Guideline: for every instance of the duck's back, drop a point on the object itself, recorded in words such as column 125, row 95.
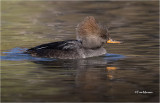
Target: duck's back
column 62, row 49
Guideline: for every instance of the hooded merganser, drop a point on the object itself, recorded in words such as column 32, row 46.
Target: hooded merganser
column 91, row 36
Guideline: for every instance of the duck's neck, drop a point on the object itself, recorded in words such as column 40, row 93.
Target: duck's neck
column 87, row 52
column 91, row 42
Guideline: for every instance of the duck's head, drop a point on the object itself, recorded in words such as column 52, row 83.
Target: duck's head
column 93, row 34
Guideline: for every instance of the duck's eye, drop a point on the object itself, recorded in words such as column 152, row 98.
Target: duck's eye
column 104, row 36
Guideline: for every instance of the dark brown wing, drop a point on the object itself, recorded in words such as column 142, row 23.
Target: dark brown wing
column 55, row 49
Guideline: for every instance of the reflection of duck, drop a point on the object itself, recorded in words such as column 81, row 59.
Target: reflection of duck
column 78, row 76
column 91, row 36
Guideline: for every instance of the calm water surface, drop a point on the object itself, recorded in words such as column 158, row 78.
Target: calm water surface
column 115, row 77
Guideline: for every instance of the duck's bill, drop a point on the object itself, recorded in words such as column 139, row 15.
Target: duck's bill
column 113, row 41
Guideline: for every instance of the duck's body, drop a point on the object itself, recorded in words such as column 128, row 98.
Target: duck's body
column 71, row 49
column 91, row 36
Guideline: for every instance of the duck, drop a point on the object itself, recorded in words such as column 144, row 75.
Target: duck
column 91, row 36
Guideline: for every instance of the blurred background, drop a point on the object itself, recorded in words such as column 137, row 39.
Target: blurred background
column 130, row 66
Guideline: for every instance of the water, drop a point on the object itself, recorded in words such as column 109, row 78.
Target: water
column 115, row 77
